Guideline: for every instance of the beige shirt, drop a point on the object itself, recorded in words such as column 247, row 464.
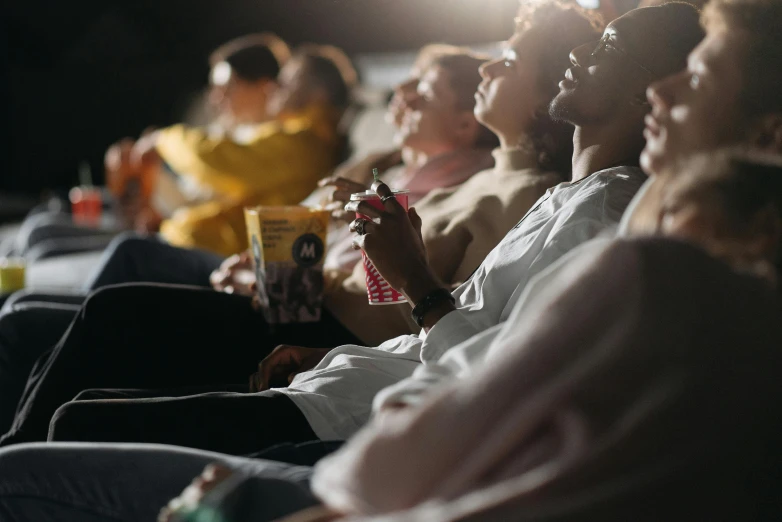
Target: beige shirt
column 461, row 225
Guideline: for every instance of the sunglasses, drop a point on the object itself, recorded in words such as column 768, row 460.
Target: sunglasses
column 607, row 46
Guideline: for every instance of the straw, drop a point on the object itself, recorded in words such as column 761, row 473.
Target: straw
column 375, row 175
column 85, row 174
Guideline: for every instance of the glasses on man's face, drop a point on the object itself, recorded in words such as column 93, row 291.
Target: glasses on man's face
column 607, row 46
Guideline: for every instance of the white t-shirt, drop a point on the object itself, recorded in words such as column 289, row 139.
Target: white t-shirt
column 336, row 396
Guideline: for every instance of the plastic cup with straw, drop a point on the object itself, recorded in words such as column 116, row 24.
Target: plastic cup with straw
column 86, row 200
column 379, row 292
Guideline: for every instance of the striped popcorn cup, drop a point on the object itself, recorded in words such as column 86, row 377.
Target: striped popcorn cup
column 379, row 291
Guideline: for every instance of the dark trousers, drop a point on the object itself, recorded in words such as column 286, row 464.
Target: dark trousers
column 134, row 259
column 91, row 411
column 27, row 330
column 32, row 322
column 235, row 423
column 160, row 336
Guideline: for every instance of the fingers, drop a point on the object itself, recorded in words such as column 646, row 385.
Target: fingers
column 282, row 360
column 363, row 226
column 265, row 373
column 338, row 212
column 415, row 219
column 387, row 196
column 341, row 215
column 342, row 184
column 359, row 243
column 364, row 208
column 342, row 196
column 218, row 280
column 213, row 474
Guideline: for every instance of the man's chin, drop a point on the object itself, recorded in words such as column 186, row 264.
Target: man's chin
column 563, row 107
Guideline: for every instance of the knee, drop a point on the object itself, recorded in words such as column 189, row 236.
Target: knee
column 69, row 421
column 106, row 301
column 90, row 395
column 17, row 297
column 127, row 243
column 19, row 460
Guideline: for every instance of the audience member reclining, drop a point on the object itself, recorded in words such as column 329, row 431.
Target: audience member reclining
column 728, row 57
column 448, row 142
column 571, row 417
column 243, row 76
column 334, row 399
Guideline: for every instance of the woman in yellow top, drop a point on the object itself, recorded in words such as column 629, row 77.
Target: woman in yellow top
column 244, row 74
column 275, row 163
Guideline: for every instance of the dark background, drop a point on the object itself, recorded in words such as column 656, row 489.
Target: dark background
column 78, row 75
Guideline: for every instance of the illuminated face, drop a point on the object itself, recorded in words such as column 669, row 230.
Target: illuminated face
column 403, row 93
column 698, row 109
column 607, row 76
column 237, row 100
column 293, row 92
column 432, row 116
column 509, row 95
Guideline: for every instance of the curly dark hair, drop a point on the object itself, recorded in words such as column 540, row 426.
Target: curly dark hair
column 565, row 26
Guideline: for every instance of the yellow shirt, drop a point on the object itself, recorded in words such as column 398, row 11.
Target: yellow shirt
column 280, row 164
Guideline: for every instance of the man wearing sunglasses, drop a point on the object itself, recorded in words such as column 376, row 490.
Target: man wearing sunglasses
column 335, row 396
column 603, row 98
column 603, row 94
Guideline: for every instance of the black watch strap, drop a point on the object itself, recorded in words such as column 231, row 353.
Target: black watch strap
column 427, row 303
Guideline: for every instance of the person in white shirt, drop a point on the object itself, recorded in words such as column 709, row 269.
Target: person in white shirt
column 605, row 101
column 603, row 95
column 635, row 388
column 720, row 99
column 336, row 401
column 91, row 457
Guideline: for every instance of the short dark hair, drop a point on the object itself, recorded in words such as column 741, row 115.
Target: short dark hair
column 464, row 76
column 762, row 66
column 329, row 68
column 565, row 26
column 680, row 31
column 253, row 57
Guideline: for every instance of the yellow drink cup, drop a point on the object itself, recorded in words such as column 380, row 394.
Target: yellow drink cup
column 12, row 274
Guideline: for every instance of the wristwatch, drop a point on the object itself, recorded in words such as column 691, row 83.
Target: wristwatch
column 427, row 303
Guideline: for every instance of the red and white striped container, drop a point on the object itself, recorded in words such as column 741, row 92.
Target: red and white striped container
column 379, row 292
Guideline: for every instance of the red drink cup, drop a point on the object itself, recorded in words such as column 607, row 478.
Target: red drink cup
column 86, row 205
column 379, row 291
